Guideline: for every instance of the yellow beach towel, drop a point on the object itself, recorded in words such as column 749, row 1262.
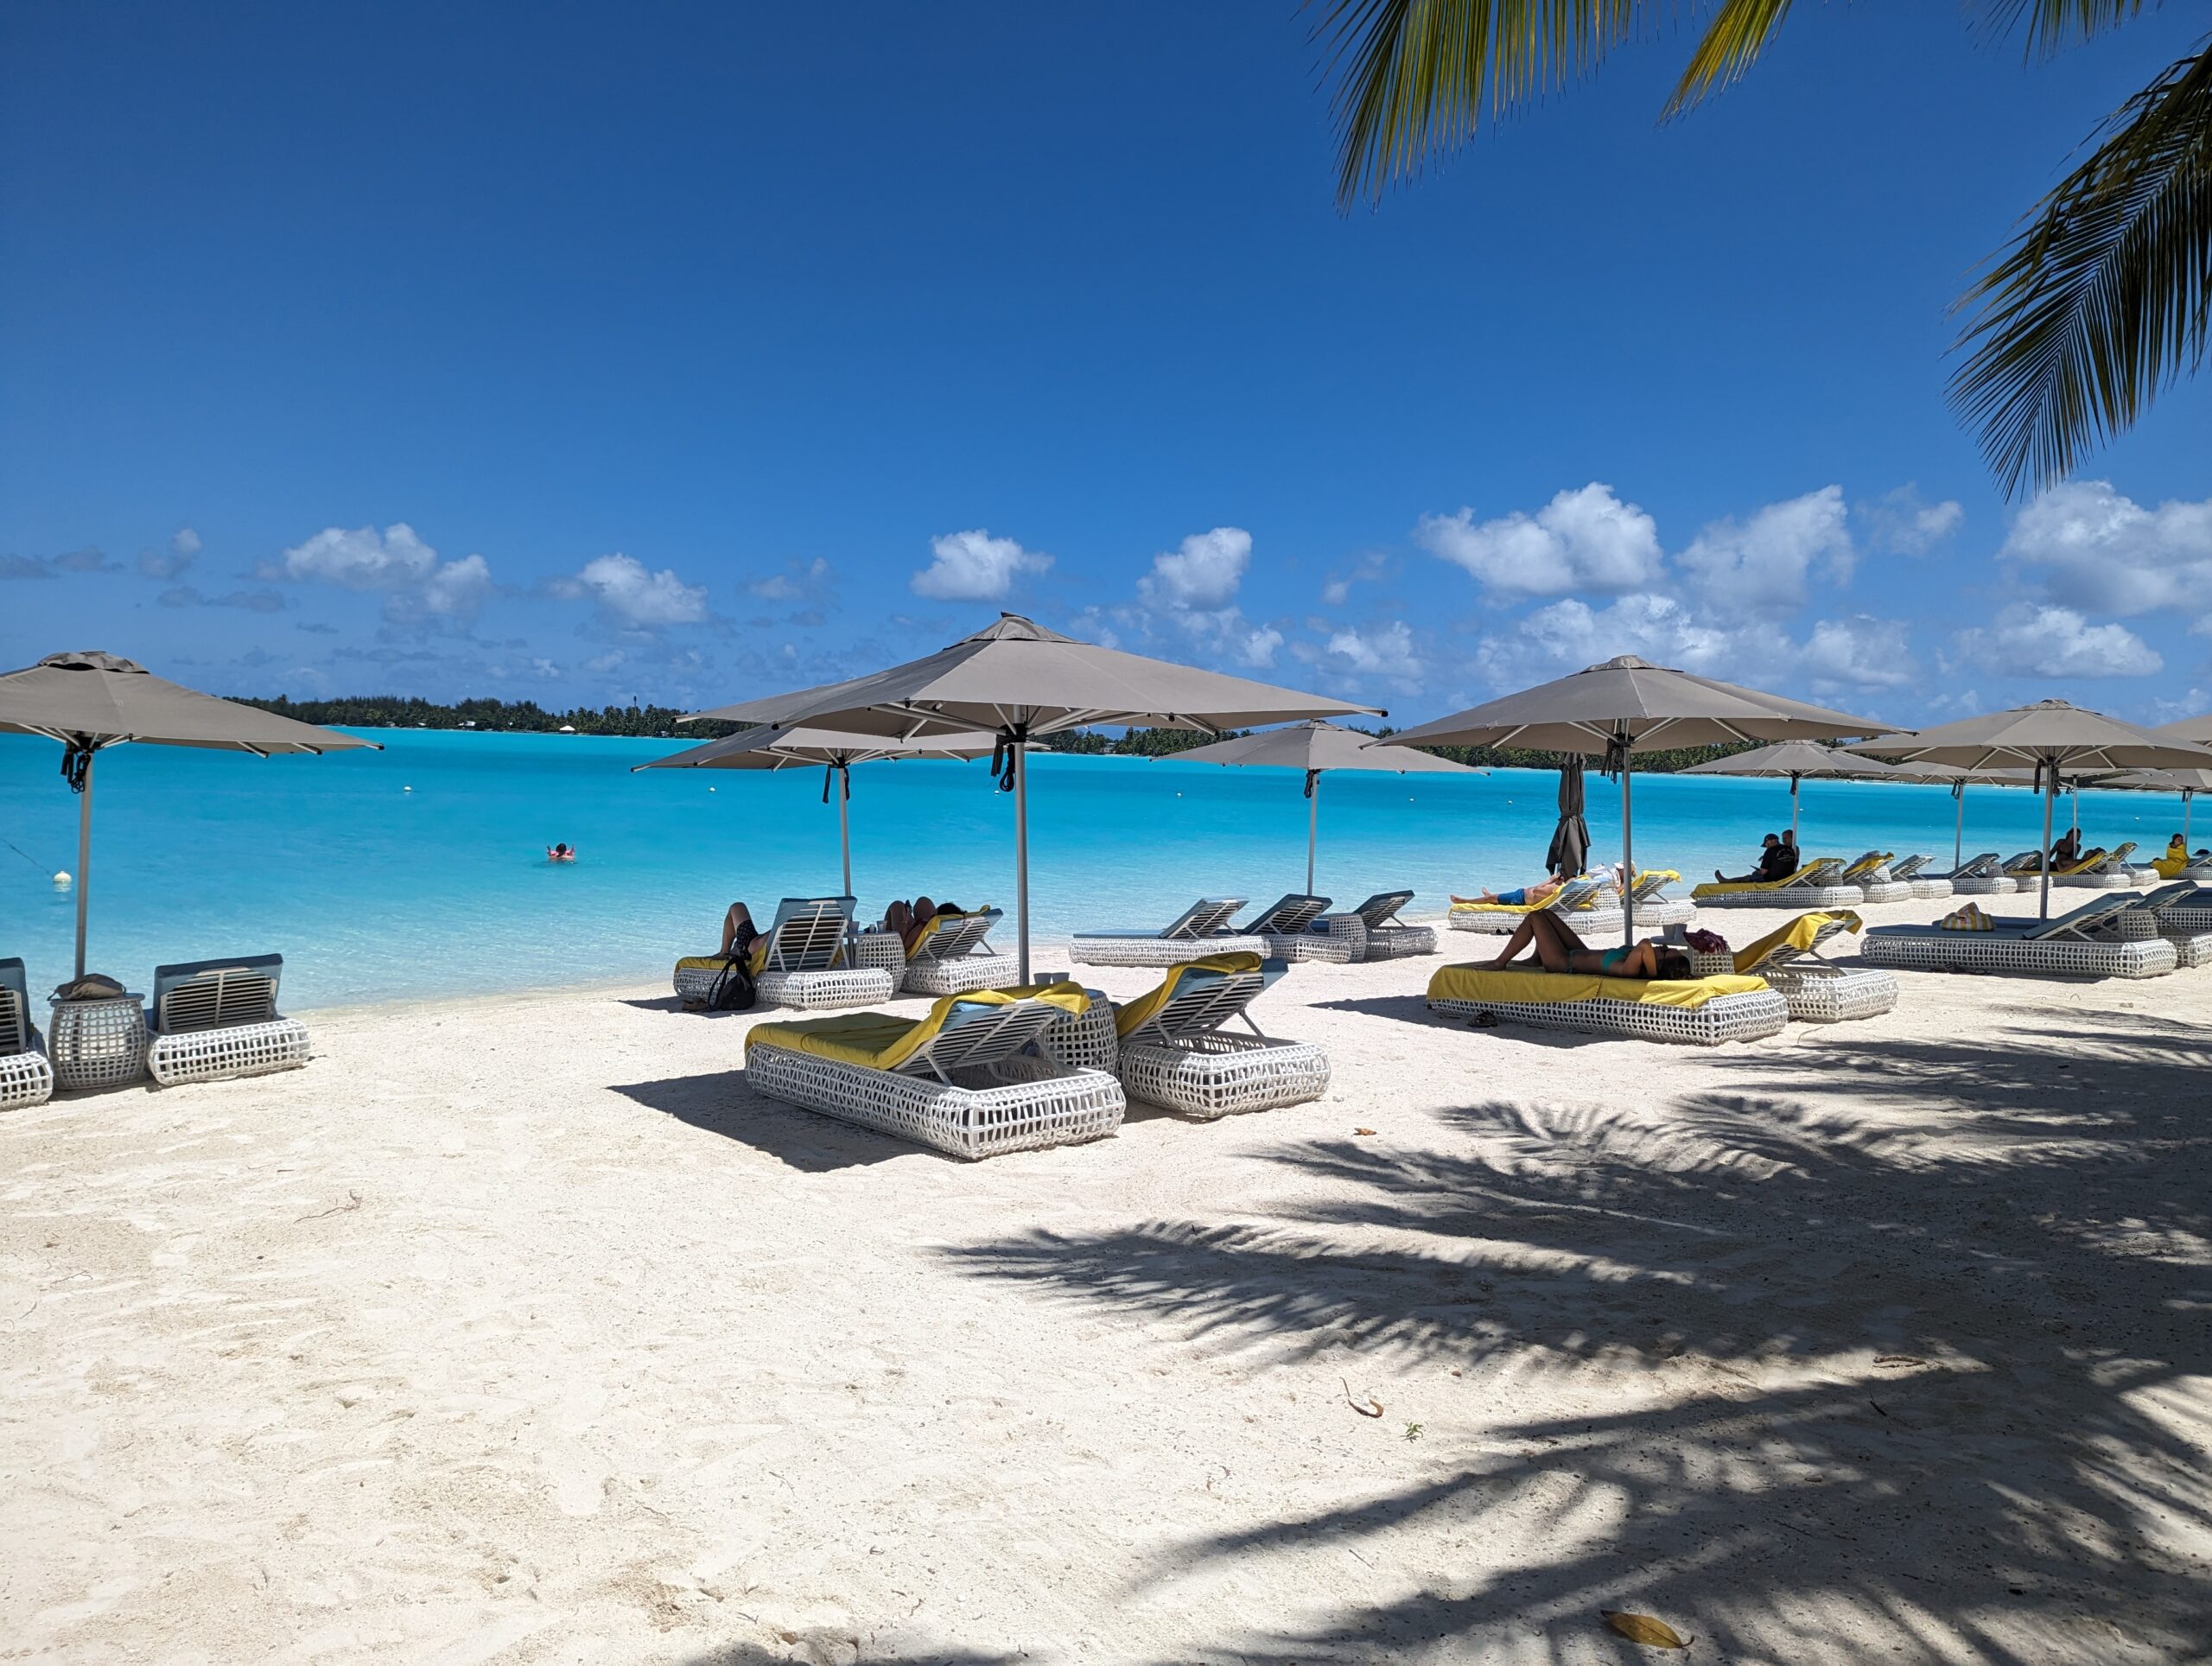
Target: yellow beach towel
column 1801, row 932
column 1478, row 984
column 884, row 1041
column 1128, row 1020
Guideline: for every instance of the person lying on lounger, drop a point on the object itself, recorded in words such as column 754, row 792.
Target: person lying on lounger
column 1777, row 861
column 1558, row 950
column 1528, row 896
column 907, row 919
column 2068, row 851
column 738, row 932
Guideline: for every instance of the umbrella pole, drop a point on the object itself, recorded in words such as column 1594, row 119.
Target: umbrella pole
column 2050, row 804
column 1959, row 826
column 83, row 858
column 1628, row 860
column 1793, row 810
column 2186, row 795
column 844, row 825
column 1313, row 827
column 1022, row 856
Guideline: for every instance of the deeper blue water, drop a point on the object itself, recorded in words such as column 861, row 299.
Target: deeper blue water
column 373, row 891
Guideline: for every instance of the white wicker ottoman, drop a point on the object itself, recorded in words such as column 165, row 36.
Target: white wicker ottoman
column 1102, row 951
column 96, row 1043
column 1398, row 942
column 1999, row 951
column 1021, row 1105
column 836, row 986
column 1338, row 939
column 1724, row 1017
column 957, row 975
column 235, row 1049
column 1214, row 1075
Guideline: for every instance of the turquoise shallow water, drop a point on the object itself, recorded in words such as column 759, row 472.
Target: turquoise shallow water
column 372, row 892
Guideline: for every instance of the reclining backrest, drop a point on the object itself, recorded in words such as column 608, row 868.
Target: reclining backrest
column 1381, row 910
column 975, row 1033
column 2168, row 895
column 1204, row 999
column 1290, row 915
column 214, row 995
column 949, row 937
column 2117, row 858
column 1205, row 917
column 15, row 1008
column 1649, row 883
column 1575, row 893
column 1908, row 869
column 1985, row 866
column 1821, row 870
column 809, row 935
column 2086, row 918
column 1865, row 864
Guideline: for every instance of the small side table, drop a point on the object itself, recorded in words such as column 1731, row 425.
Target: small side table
column 880, row 950
column 98, row 1044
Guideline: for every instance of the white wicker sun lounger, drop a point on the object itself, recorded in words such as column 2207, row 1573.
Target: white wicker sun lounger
column 1982, row 876
column 1587, row 903
column 26, row 1073
column 979, row 1082
column 1299, row 927
column 1926, row 886
column 1735, row 1008
column 1817, row 990
column 951, row 956
column 1389, row 937
column 1202, row 929
column 2112, row 937
column 1872, row 874
column 2184, row 916
column 1818, row 884
column 215, row 1018
column 2109, row 872
column 1174, row 1051
column 1654, row 907
column 802, row 960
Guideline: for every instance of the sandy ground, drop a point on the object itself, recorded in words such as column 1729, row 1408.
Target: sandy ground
column 520, row 1330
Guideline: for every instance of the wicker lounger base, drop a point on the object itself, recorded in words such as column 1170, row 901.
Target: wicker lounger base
column 1991, row 951
column 1888, row 891
column 1396, row 941
column 2000, row 885
column 1340, row 939
column 1930, row 890
column 2185, row 922
column 1214, row 1075
column 26, row 1078
column 959, row 975
column 1724, row 1017
column 1160, row 951
column 982, row 1114
column 1666, row 910
column 1793, row 898
column 2118, row 881
column 1086, row 1040
column 2192, row 949
column 841, row 986
column 1836, row 996
column 237, row 1050
column 1589, row 924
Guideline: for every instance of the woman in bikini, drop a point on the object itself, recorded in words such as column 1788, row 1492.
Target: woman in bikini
column 1558, row 950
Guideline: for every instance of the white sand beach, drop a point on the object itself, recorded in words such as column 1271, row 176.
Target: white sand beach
column 518, row 1330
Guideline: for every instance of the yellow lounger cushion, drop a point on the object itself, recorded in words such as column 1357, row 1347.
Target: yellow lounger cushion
column 930, row 925
column 1498, row 908
column 1800, row 933
column 1128, row 1020
column 1479, row 983
column 756, row 961
column 884, row 1041
column 1738, row 888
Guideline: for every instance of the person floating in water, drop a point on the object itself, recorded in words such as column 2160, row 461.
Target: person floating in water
column 559, row 853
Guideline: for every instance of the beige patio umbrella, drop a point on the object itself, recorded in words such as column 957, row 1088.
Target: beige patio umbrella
column 2187, row 782
column 1020, row 682
column 836, row 753
column 91, row 701
column 1626, row 706
column 1796, row 760
column 1316, row 747
column 2050, row 736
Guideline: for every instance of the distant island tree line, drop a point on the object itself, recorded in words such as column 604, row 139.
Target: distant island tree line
column 659, row 722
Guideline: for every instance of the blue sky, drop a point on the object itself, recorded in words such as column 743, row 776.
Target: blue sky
column 579, row 352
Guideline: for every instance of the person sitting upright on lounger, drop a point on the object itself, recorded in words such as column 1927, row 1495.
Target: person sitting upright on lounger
column 1558, row 950
column 1777, row 861
column 1527, row 896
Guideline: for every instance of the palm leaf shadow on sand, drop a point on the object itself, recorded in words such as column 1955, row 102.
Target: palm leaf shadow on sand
column 1925, row 1321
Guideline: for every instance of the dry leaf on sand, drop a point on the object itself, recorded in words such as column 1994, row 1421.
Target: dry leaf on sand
column 1372, row 1409
column 1641, row 1628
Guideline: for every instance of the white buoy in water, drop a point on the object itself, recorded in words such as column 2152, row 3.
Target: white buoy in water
column 63, row 879
column 407, row 789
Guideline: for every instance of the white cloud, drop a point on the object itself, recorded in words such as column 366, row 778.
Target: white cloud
column 1585, row 540
column 1860, row 653
column 2030, row 640
column 1760, row 565
column 184, row 541
column 1857, row 652
column 799, row 581
column 2105, row 552
column 395, row 562
column 973, row 566
column 1204, row 572
column 1337, row 590
column 1903, row 523
column 1258, row 648
column 1384, row 651
column 630, row 593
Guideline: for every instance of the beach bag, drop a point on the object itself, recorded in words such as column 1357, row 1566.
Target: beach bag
column 93, row 986
column 734, row 989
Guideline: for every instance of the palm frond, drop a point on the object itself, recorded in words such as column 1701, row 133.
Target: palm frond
column 2106, row 294
column 1417, row 78
column 1738, row 34
column 2051, row 24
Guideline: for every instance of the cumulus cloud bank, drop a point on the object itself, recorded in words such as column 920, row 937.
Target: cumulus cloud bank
column 2035, row 639
column 2098, row 550
column 1761, row 565
column 973, row 566
column 630, row 593
column 1203, row 573
column 1584, row 540
column 417, row 585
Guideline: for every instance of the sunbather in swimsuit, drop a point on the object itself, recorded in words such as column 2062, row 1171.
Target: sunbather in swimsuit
column 1558, row 950
column 1527, row 896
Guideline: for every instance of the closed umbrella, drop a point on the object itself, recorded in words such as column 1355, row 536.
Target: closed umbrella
column 2049, row 737
column 803, row 749
column 1569, row 850
column 1626, row 706
column 1317, row 747
column 1020, row 682
column 91, row 701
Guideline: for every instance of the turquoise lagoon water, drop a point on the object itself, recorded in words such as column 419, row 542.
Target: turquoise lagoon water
column 374, row 891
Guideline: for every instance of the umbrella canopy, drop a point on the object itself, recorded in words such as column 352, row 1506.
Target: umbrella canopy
column 1628, row 705
column 1317, row 747
column 768, row 747
column 91, row 701
column 2196, row 731
column 1020, row 682
column 2050, row 736
column 1796, row 760
column 1569, row 850
column 2187, row 782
